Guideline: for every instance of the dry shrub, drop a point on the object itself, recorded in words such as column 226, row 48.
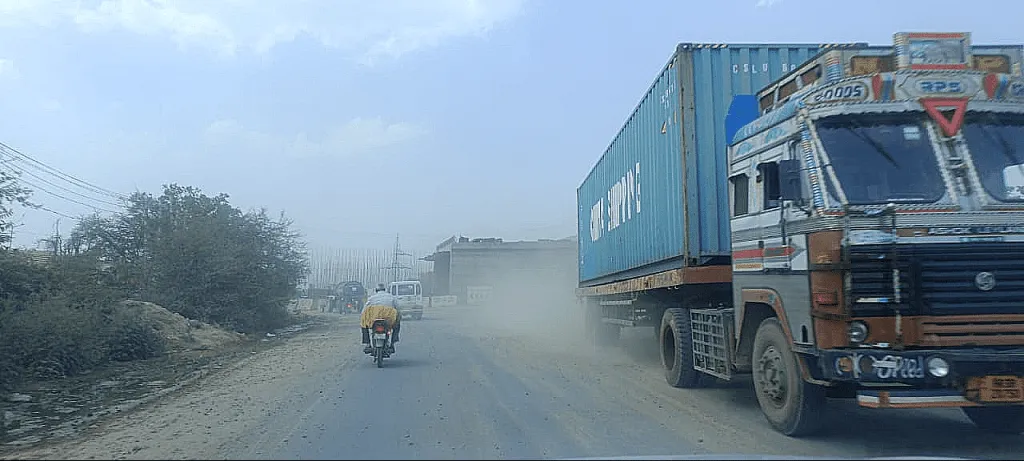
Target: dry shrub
column 54, row 337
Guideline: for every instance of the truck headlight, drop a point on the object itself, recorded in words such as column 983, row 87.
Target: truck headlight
column 938, row 367
column 858, row 331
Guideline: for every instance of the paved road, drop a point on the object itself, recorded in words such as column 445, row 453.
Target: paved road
column 462, row 386
column 475, row 384
column 452, row 392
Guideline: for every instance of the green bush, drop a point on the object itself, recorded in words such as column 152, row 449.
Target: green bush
column 200, row 257
column 49, row 338
column 193, row 254
column 133, row 337
column 20, row 279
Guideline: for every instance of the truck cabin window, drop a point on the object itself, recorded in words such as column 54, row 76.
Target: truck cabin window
column 996, row 143
column 406, row 290
column 771, row 190
column 881, row 159
column 766, row 102
column 740, row 194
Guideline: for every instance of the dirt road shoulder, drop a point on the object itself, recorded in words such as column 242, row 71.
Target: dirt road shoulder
column 213, row 404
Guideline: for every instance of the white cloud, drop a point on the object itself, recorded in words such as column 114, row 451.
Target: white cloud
column 146, row 17
column 368, row 30
column 360, row 136
column 767, row 3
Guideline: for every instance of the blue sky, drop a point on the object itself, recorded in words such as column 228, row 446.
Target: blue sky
column 363, row 119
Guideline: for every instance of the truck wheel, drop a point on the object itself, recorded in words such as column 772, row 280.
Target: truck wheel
column 792, row 406
column 1001, row 420
column 676, row 340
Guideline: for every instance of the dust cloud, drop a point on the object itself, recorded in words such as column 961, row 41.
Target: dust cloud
column 536, row 303
column 533, row 303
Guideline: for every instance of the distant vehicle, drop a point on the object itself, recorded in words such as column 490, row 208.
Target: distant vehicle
column 351, row 297
column 409, row 294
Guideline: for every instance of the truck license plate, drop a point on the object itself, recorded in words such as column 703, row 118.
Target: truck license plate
column 1001, row 389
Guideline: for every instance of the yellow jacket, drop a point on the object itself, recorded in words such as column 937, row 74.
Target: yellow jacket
column 371, row 313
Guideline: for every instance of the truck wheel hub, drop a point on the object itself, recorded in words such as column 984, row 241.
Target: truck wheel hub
column 771, row 374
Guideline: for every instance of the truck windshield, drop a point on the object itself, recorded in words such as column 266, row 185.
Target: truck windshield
column 881, row 159
column 996, row 143
column 406, row 290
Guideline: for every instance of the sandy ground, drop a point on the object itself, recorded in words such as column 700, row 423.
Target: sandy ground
column 58, row 412
column 470, row 384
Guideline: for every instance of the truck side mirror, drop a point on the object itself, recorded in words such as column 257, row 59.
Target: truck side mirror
column 791, row 183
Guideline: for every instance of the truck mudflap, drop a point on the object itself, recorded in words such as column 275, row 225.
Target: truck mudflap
column 929, row 378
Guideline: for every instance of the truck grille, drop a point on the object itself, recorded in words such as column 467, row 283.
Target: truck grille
column 937, row 279
column 993, row 330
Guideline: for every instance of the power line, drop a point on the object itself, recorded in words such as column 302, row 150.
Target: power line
column 16, row 156
column 62, row 187
column 59, row 213
column 36, row 187
column 9, row 156
column 60, row 174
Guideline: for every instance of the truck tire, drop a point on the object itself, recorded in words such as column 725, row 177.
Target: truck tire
column 1000, row 420
column 793, row 406
column 676, row 341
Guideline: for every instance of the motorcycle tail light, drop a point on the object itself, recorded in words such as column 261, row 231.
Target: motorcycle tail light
column 379, row 329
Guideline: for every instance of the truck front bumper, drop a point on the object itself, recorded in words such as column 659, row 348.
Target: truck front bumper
column 928, row 377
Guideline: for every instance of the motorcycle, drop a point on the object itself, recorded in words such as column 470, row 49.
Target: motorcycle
column 352, row 307
column 380, row 340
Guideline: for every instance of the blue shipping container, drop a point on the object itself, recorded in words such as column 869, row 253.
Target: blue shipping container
column 658, row 197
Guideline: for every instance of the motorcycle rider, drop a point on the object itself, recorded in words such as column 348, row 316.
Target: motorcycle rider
column 381, row 305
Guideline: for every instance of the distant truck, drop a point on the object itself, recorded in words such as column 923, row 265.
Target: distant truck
column 351, row 297
column 409, row 294
column 839, row 221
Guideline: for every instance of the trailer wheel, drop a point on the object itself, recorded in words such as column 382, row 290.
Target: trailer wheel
column 676, row 341
column 792, row 406
column 1000, row 420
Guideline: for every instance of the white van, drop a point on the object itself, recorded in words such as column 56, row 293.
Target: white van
column 409, row 295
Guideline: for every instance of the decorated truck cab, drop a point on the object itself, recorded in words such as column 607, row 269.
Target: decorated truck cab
column 877, row 222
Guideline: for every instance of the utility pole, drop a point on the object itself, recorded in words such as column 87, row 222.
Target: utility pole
column 56, row 243
column 13, row 226
column 396, row 265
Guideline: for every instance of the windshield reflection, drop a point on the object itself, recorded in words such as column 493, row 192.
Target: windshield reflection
column 881, row 159
column 996, row 143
